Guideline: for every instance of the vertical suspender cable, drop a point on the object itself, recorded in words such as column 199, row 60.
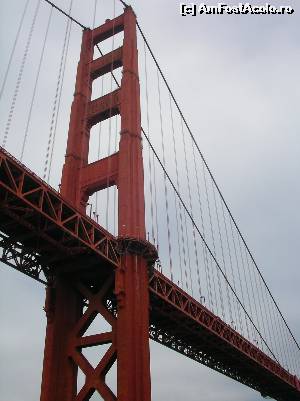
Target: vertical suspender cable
column 260, row 304
column 13, row 49
column 94, row 13
column 239, row 277
column 213, row 240
column 19, row 79
column 35, row 84
column 149, row 152
column 246, row 285
column 165, row 178
column 253, row 297
column 222, row 253
column 204, row 250
column 188, row 252
column 180, row 206
column 57, row 100
column 178, row 238
column 192, row 213
column 235, row 306
column 151, row 163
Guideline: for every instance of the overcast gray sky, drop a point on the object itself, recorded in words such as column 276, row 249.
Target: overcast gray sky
column 236, row 79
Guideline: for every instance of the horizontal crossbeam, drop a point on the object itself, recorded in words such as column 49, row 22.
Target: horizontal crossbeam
column 104, row 107
column 107, row 63
column 100, row 174
column 110, row 28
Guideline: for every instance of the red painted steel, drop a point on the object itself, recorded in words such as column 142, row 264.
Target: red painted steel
column 61, row 226
column 177, row 320
column 91, row 273
column 132, row 276
column 94, row 376
column 79, row 181
column 246, row 363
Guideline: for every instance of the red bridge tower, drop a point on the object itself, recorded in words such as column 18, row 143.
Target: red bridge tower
column 119, row 295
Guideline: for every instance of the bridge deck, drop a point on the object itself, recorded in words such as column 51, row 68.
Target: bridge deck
column 52, row 233
column 181, row 323
column 41, row 234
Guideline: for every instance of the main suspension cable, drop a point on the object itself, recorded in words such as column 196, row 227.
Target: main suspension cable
column 66, row 14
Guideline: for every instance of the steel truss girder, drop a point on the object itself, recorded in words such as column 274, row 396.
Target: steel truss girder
column 178, row 344
column 180, row 322
column 35, row 206
column 25, row 260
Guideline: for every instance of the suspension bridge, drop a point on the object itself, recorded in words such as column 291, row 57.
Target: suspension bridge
column 137, row 230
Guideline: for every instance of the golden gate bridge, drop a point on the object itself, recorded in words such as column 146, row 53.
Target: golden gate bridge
column 137, row 231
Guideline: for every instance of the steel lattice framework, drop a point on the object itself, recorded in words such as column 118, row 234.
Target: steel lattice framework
column 89, row 272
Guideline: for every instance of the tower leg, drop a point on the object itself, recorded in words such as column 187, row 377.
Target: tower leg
column 63, row 308
column 66, row 340
column 133, row 330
